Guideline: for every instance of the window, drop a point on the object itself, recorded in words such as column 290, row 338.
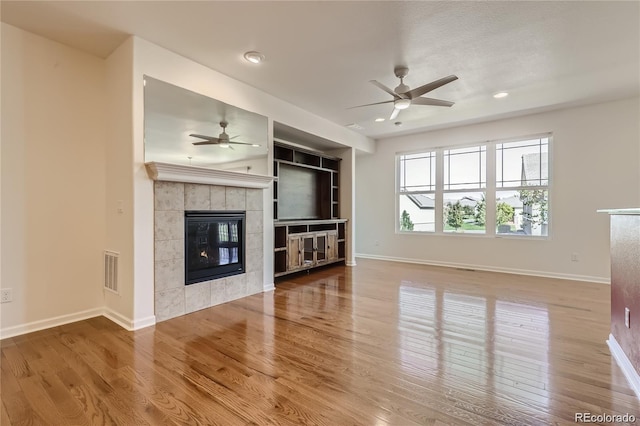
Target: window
column 417, row 187
column 464, row 169
column 523, row 168
column 497, row 188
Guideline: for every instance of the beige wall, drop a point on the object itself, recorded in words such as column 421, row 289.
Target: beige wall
column 119, row 186
column 53, row 179
column 595, row 165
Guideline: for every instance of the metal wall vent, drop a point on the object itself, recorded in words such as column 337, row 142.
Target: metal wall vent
column 111, row 270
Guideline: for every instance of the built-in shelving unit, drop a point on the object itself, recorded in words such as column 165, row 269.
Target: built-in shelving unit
column 306, row 208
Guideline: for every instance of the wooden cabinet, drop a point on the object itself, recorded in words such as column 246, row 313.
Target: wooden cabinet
column 311, row 249
column 301, row 245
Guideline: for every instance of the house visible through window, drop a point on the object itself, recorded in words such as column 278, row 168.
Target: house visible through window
column 417, row 182
column 465, row 178
column 457, row 184
column 522, row 187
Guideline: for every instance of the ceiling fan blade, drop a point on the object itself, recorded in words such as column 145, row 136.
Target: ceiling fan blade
column 206, row 143
column 419, row 91
column 375, row 103
column 205, row 137
column 430, row 101
column 385, row 88
column 241, row 143
column 394, row 114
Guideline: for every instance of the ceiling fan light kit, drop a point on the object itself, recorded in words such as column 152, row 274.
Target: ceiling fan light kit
column 404, row 97
column 402, row 103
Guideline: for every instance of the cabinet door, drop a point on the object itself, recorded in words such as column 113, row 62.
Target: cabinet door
column 294, row 253
column 321, row 247
column 332, row 246
column 308, row 250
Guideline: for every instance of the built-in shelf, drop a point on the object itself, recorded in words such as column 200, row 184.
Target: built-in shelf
column 307, row 184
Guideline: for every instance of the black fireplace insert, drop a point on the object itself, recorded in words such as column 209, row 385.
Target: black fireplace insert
column 214, row 245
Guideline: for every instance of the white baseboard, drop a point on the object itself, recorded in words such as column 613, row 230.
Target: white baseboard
column 49, row 322
column 625, row 365
column 144, row 322
column 122, row 321
column 588, row 278
column 350, row 263
column 268, row 287
column 128, row 323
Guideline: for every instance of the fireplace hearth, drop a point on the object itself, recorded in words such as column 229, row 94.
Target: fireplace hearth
column 214, row 245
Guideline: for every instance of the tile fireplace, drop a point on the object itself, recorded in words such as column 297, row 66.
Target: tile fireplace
column 174, row 296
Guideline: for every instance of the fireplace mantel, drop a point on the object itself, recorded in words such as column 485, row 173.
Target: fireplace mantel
column 190, row 174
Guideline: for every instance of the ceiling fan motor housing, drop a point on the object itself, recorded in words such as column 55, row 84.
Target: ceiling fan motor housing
column 401, row 72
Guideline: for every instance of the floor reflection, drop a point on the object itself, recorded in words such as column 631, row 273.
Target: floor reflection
column 456, row 339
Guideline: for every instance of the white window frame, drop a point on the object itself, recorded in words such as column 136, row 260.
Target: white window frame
column 399, row 192
column 491, row 188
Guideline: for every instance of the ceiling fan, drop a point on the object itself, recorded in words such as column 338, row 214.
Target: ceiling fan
column 404, row 97
column 223, row 140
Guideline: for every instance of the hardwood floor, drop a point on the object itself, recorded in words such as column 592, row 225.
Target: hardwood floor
column 379, row 344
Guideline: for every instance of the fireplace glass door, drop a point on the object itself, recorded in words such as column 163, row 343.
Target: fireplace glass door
column 214, row 245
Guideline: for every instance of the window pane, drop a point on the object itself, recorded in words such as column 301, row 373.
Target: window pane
column 465, row 168
column 417, row 212
column 523, row 212
column 465, row 212
column 522, row 163
column 418, row 172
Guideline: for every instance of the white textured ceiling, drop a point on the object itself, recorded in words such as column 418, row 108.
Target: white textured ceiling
column 320, row 55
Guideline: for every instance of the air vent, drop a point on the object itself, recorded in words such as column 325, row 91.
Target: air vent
column 111, row 270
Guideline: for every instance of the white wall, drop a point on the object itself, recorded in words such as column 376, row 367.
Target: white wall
column 595, row 165
column 53, row 178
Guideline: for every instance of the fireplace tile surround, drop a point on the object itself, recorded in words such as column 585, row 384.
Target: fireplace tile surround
column 171, row 199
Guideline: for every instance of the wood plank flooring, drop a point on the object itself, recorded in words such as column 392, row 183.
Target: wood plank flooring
column 379, row 344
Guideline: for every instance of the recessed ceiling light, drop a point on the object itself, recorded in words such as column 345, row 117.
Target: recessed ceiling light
column 379, row 120
column 254, row 57
column 501, row 95
column 255, row 145
column 355, row 126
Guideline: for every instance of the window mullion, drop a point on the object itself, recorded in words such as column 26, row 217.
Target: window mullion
column 490, row 223
column 439, row 198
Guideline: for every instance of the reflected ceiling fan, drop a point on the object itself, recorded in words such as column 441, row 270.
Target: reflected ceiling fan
column 404, row 96
column 223, row 140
